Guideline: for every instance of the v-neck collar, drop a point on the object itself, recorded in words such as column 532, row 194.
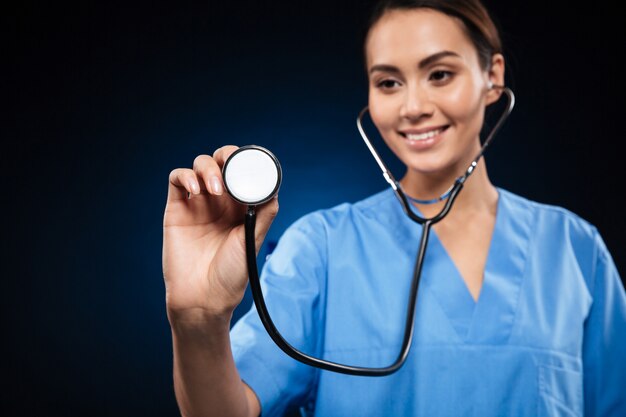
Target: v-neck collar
column 496, row 309
column 491, row 317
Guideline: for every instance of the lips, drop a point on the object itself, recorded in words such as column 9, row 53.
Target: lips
column 421, row 139
column 422, row 134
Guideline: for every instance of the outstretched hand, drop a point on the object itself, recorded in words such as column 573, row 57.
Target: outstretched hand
column 204, row 263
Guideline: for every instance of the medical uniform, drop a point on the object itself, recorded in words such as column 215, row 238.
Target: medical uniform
column 547, row 336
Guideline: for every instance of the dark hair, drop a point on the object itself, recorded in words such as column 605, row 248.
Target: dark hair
column 479, row 26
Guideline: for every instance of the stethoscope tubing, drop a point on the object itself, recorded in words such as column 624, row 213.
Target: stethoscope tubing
column 450, row 196
column 279, row 340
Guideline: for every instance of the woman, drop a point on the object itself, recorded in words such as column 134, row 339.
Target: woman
column 520, row 312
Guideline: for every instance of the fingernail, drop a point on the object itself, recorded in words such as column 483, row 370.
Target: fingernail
column 195, row 188
column 216, row 185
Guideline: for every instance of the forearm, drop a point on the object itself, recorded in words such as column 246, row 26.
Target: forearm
column 206, row 380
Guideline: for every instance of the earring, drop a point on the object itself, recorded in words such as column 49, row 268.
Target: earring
column 489, row 85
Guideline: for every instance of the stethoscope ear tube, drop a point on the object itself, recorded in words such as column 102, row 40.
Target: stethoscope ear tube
column 395, row 185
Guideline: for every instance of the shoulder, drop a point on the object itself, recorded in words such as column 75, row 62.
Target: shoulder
column 379, row 207
column 556, row 234
column 313, row 235
column 549, row 218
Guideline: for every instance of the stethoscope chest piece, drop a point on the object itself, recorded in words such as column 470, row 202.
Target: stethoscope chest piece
column 252, row 175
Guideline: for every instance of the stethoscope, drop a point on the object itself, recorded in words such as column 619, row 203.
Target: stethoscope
column 252, row 176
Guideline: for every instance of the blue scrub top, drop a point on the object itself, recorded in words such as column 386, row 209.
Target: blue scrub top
column 547, row 336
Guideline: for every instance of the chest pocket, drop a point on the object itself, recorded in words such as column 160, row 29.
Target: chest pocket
column 560, row 392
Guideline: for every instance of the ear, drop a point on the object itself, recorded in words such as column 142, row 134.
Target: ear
column 495, row 77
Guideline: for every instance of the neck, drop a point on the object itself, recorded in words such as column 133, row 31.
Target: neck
column 477, row 194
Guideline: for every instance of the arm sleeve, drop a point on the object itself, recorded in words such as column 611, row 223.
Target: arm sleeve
column 604, row 343
column 293, row 282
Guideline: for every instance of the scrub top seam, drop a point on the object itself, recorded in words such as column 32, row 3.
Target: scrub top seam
column 464, row 345
column 597, row 254
column 523, row 278
column 568, row 407
column 523, row 274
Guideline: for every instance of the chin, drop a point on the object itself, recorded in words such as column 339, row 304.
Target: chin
column 427, row 164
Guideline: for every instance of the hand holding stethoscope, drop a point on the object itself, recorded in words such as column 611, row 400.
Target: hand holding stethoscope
column 203, row 235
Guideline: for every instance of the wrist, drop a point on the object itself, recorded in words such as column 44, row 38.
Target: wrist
column 198, row 320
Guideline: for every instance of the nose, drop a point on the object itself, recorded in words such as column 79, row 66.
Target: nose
column 416, row 103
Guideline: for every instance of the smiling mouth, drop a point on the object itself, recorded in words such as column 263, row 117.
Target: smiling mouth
column 417, row 137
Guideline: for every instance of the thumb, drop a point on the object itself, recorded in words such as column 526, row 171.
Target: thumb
column 265, row 215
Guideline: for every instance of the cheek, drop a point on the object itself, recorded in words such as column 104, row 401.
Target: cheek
column 384, row 118
column 465, row 102
column 467, row 110
column 461, row 104
column 381, row 111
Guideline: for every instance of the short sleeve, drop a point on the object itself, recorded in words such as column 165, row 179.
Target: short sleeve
column 604, row 344
column 293, row 282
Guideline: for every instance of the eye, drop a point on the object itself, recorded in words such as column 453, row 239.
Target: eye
column 386, row 84
column 441, row 76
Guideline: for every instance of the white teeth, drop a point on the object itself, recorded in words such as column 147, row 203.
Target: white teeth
column 423, row 136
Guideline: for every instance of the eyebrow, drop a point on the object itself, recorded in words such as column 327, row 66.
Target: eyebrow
column 422, row 64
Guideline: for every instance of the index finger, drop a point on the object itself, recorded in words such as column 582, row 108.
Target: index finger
column 182, row 182
column 223, row 153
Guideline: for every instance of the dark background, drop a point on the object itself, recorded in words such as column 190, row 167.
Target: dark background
column 103, row 99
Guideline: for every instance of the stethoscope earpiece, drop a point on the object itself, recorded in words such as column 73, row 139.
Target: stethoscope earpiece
column 252, row 175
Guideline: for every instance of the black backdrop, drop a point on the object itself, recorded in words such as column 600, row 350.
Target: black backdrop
column 103, row 99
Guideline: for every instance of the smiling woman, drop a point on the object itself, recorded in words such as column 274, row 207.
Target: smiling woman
column 520, row 312
column 428, row 92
